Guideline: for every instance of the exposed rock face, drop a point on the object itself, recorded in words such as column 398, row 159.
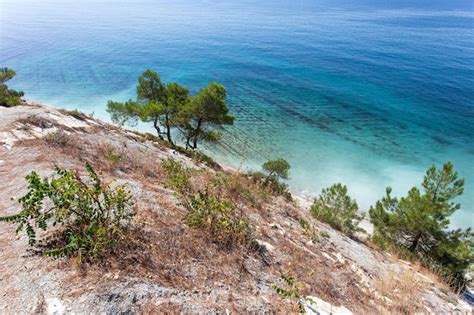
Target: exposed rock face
column 176, row 269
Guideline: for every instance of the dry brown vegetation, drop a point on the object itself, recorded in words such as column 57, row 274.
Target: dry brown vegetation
column 163, row 250
column 402, row 291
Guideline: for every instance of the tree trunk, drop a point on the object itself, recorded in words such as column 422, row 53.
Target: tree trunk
column 196, row 133
column 414, row 245
column 188, row 145
column 157, row 127
column 168, row 130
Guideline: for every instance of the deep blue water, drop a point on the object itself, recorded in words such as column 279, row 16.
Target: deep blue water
column 359, row 92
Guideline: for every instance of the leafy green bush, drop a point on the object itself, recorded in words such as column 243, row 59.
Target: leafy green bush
column 309, row 230
column 179, row 175
column 419, row 223
column 324, row 234
column 291, row 289
column 86, row 217
column 8, row 97
column 227, row 226
column 272, row 184
column 337, row 209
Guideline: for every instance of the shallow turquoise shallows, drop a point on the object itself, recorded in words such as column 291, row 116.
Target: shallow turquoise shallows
column 367, row 95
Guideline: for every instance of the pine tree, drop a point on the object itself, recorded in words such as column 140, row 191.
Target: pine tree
column 205, row 112
column 338, row 209
column 419, row 222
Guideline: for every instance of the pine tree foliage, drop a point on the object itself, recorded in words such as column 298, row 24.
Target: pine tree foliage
column 203, row 114
column 335, row 207
column 85, row 217
column 8, row 97
column 419, row 222
column 278, row 168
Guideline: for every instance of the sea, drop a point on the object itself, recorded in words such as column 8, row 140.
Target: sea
column 365, row 93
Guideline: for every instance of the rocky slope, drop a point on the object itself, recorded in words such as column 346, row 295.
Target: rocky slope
column 173, row 268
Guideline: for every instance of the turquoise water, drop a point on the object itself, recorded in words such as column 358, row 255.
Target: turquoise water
column 369, row 95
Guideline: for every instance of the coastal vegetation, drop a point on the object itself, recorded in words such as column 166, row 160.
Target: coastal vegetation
column 339, row 210
column 169, row 106
column 83, row 217
column 418, row 224
column 8, row 97
column 217, row 215
column 273, row 172
column 291, row 289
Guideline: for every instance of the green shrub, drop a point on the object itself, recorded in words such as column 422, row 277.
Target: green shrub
column 272, row 184
column 226, row 225
column 337, row 209
column 111, row 154
column 8, row 97
column 291, row 289
column 178, row 175
column 324, row 234
column 309, row 231
column 86, row 218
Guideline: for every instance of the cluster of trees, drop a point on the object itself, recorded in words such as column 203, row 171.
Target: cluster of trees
column 8, row 97
column 416, row 225
column 170, row 106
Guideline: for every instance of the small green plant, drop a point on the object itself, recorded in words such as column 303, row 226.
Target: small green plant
column 112, row 155
column 324, row 234
column 178, row 175
column 77, row 114
column 226, row 225
column 271, row 184
column 291, row 288
column 309, row 231
column 337, row 209
column 86, row 217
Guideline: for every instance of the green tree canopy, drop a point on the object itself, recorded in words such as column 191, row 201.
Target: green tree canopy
column 122, row 113
column 203, row 113
column 419, row 222
column 176, row 98
column 338, row 209
column 278, row 168
column 148, row 106
column 169, row 106
column 8, row 97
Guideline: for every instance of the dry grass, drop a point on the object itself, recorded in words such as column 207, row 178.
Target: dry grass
column 35, row 120
column 58, row 138
column 164, row 250
column 108, row 157
column 401, row 291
